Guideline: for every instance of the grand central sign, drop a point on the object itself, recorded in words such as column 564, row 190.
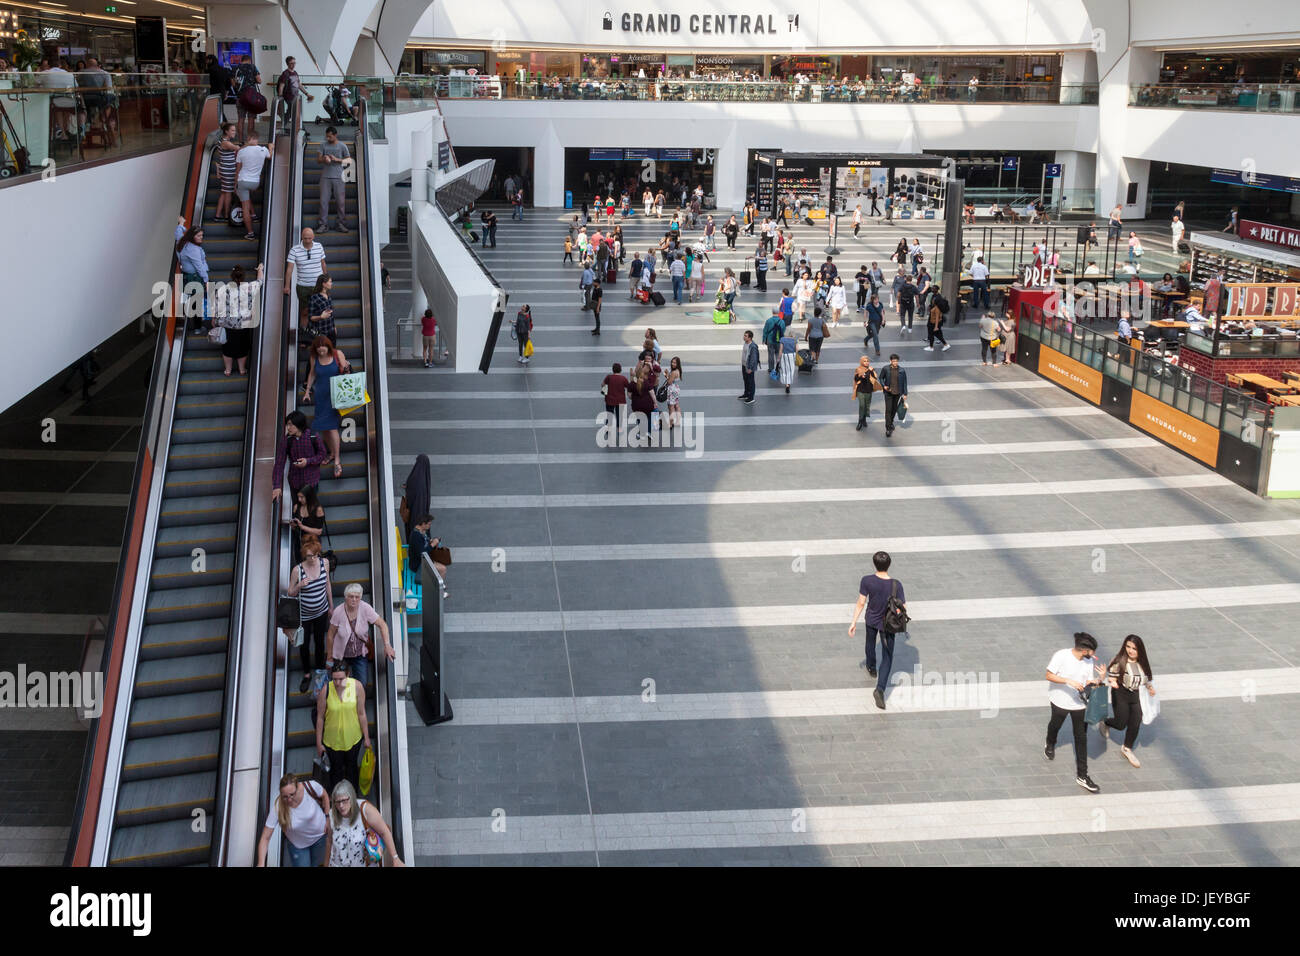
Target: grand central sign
column 703, row 24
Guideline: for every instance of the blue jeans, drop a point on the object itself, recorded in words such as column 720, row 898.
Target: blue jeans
column 886, row 654
column 362, row 670
column 789, row 264
column 193, row 277
column 873, row 333
column 979, row 291
column 677, row 289
column 313, row 855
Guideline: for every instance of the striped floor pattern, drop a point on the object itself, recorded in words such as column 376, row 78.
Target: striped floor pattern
column 647, row 651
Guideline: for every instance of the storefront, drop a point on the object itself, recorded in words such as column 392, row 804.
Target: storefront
column 73, row 40
column 421, row 62
column 1246, row 66
column 826, row 184
column 598, row 171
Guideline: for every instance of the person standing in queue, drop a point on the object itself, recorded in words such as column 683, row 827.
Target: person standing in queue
column 1071, row 671
column 748, row 366
column 893, row 381
column 1128, row 675
column 874, row 593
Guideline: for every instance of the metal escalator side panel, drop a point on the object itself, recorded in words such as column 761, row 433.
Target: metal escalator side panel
column 385, row 575
column 239, row 777
column 85, row 846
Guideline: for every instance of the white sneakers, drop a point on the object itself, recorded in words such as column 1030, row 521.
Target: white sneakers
column 946, row 346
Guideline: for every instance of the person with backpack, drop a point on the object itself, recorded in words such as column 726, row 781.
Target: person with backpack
column 885, row 604
column 816, row 333
column 773, row 329
column 245, row 82
column 288, row 89
column 303, row 451
column 893, row 381
column 934, row 328
column 906, row 294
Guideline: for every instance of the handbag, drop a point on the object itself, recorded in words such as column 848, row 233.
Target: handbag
column 1150, row 704
column 604, row 389
column 328, row 557
column 661, row 392
column 320, row 770
column 217, row 335
column 288, row 612
column 895, row 619
column 298, row 637
column 994, row 342
column 528, row 349
column 348, row 392
column 441, row 555
column 251, row 100
column 901, row 414
column 1098, row 708
column 366, row 772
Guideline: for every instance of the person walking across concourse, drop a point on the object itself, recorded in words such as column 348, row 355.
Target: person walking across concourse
column 1071, row 671
column 874, row 592
column 864, row 383
column 893, row 379
column 1128, row 674
column 596, row 296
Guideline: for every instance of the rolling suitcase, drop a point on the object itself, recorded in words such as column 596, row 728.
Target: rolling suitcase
column 745, row 274
column 657, row 298
column 643, row 294
column 611, row 274
column 804, row 359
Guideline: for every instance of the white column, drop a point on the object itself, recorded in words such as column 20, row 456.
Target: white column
column 420, row 182
column 548, row 170
column 1114, row 170
column 729, row 170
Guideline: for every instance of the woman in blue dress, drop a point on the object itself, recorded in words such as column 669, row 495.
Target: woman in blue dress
column 327, row 362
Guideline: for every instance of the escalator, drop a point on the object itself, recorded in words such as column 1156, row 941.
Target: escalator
column 358, row 513
column 157, row 778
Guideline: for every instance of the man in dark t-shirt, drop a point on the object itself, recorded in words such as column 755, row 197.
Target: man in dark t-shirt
column 614, row 386
column 874, row 592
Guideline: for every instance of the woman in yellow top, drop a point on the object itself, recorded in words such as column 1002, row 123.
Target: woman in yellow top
column 341, row 726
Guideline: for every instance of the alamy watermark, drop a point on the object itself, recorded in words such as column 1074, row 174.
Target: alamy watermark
column 639, row 430
column 75, row 690
column 945, row 690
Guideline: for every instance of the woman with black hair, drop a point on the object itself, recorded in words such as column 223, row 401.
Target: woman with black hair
column 304, row 451
column 308, row 517
column 415, row 494
column 1127, row 675
column 900, row 254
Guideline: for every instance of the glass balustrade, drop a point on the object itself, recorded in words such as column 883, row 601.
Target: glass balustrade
column 1240, row 97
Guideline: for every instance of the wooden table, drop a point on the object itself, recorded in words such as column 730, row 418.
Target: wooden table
column 1169, row 324
column 1284, row 399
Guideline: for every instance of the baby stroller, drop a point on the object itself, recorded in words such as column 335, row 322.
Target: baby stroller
column 337, row 104
column 13, row 156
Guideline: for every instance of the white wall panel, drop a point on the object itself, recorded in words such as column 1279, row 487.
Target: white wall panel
column 63, row 296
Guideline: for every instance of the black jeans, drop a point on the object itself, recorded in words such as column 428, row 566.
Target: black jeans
column 313, row 639
column 731, row 241
column 862, row 299
column 891, row 409
column 345, row 765
column 986, row 346
column 596, row 311
column 1080, row 735
column 935, row 333
column 773, row 356
column 1128, row 714
column 749, row 382
column 906, row 312
column 886, row 654
column 762, row 280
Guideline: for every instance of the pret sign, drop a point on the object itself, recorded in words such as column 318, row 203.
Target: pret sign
column 1284, row 236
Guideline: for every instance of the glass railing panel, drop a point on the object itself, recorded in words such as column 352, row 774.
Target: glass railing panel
column 336, row 99
column 1239, row 97
column 411, row 91
column 55, row 121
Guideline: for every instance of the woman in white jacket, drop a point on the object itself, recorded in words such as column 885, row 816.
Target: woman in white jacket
column 803, row 293
column 835, row 300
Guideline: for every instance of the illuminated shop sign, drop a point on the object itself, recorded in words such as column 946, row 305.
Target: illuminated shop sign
column 729, row 24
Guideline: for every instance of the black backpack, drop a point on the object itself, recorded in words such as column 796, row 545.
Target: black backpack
column 941, row 303
column 895, row 618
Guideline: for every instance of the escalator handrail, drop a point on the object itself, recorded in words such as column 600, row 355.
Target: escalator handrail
column 221, row 823
column 382, row 575
column 276, row 724
column 142, row 510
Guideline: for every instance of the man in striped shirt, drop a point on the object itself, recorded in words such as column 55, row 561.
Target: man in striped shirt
column 305, row 264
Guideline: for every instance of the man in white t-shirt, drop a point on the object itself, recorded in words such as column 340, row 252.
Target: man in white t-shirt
column 1070, row 671
column 248, row 177
column 1177, row 228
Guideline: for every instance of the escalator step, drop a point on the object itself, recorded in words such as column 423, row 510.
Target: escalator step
column 167, row 843
column 166, row 798
column 180, row 675
column 181, row 510
column 152, row 757
column 178, row 540
column 188, row 604
column 183, row 638
column 175, row 714
column 208, row 429
column 201, row 481
column 218, row 567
